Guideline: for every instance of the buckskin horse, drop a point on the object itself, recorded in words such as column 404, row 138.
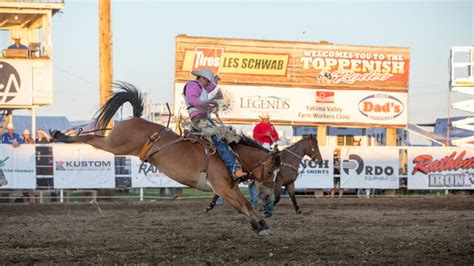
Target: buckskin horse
column 179, row 158
column 291, row 158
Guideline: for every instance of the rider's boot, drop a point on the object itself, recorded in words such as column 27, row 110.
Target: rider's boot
column 237, row 173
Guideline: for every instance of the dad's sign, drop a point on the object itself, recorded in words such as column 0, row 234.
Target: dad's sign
column 440, row 168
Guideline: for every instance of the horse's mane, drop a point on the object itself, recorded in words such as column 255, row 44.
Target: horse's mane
column 247, row 141
column 303, row 137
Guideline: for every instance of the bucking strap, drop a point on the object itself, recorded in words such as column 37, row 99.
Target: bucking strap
column 149, row 143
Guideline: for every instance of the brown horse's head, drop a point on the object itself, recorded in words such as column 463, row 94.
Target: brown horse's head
column 311, row 148
column 261, row 162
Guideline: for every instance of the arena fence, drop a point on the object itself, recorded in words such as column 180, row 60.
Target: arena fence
column 67, row 170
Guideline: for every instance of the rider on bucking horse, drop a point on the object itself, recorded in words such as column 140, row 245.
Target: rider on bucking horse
column 199, row 105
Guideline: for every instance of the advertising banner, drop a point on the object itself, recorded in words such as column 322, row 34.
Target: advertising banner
column 15, row 83
column 17, row 167
column 302, row 106
column 370, row 167
column 313, row 176
column 147, row 175
column 294, row 64
column 441, row 168
column 82, row 166
column 300, row 83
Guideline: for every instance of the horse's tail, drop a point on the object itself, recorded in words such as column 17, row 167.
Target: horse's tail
column 126, row 93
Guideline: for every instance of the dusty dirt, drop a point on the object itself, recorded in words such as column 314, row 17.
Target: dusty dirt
column 380, row 230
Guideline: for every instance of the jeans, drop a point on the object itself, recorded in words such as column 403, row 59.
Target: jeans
column 254, row 200
column 224, row 152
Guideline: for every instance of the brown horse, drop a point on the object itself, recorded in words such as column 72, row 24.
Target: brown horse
column 180, row 159
column 291, row 158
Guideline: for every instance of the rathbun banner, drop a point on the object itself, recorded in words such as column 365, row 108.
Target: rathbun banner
column 440, row 168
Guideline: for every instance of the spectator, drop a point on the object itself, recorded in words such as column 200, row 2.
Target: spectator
column 264, row 132
column 10, row 137
column 42, row 137
column 27, row 139
column 337, row 178
column 17, row 45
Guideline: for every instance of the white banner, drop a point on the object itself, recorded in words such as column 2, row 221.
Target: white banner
column 82, row 166
column 296, row 105
column 440, row 168
column 313, row 176
column 16, row 83
column 370, row 167
column 147, row 175
column 17, row 167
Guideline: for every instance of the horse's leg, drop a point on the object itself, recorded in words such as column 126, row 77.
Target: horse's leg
column 235, row 198
column 277, row 189
column 212, row 204
column 291, row 192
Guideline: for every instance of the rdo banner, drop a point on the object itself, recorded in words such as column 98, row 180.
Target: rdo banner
column 313, row 176
column 147, row 175
column 17, row 167
column 370, row 167
column 83, row 166
column 440, row 168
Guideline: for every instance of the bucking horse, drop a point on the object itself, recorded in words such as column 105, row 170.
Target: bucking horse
column 180, row 158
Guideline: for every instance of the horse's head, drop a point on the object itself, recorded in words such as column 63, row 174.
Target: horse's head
column 311, row 148
column 265, row 172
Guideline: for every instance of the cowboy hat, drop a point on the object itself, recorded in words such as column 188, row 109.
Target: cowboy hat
column 26, row 131
column 264, row 116
column 10, row 126
column 16, row 37
column 205, row 73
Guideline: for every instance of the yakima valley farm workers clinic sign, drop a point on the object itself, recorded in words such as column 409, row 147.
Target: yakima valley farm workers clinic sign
column 300, row 83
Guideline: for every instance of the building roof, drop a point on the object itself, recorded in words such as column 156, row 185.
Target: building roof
column 22, row 122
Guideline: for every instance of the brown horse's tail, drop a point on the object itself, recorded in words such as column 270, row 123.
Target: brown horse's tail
column 126, row 92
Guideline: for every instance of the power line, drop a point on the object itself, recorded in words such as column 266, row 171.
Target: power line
column 76, row 76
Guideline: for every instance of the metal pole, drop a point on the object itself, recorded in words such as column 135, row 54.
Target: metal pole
column 141, row 194
column 33, row 122
column 61, row 195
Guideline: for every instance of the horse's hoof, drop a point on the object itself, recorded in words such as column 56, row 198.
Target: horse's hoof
column 265, row 232
column 207, row 209
column 55, row 134
column 298, row 211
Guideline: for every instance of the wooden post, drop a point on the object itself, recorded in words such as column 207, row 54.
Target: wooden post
column 105, row 52
column 391, row 140
column 322, row 136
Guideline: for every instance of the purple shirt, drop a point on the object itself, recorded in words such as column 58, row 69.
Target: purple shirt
column 193, row 92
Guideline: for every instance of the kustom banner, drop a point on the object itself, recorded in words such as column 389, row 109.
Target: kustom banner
column 305, row 106
column 313, row 176
column 440, row 168
column 370, row 167
column 17, row 167
column 147, row 175
column 82, row 166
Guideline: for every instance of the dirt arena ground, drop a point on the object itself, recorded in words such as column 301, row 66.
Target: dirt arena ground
column 380, row 230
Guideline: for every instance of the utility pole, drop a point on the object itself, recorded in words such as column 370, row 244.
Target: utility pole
column 105, row 53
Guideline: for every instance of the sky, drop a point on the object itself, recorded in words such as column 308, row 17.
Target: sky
column 144, row 41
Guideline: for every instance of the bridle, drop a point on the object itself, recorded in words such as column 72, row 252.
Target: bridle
column 262, row 163
column 313, row 157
